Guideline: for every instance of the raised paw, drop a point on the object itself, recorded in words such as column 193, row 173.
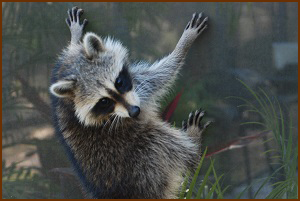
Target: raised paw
column 193, row 125
column 193, row 29
column 74, row 17
column 73, row 22
column 196, row 23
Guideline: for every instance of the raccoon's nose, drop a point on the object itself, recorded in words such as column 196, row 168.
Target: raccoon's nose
column 134, row 111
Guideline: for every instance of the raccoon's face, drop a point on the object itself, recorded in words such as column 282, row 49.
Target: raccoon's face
column 103, row 85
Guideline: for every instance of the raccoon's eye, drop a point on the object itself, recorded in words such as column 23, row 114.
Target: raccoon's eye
column 104, row 102
column 103, row 106
column 123, row 82
column 119, row 82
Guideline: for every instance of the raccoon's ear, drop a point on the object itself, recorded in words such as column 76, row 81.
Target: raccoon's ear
column 93, row 45
column 63, row 88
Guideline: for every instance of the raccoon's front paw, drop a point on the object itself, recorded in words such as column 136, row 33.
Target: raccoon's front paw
column 195, row 27
column 193, row 126
column 73, row 22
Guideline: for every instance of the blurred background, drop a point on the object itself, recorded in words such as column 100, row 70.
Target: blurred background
column 256, row 43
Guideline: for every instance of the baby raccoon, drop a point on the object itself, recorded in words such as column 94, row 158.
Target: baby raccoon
column 106, row 116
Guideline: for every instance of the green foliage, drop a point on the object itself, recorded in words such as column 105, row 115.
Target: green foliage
column 286, row 153
column 202, row 192
column 24, row 183
column 190, row 100
column 284, row 179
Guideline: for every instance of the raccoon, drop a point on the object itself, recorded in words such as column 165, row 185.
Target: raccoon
column 106, row 115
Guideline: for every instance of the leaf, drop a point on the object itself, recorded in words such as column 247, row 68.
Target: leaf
column 171, row 107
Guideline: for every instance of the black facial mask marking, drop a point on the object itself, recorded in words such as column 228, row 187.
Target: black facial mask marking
column 123, row 82
column 133, row 111
column 103, row 106
column 117, row 97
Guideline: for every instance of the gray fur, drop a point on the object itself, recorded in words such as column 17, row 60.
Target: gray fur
column 118, row 156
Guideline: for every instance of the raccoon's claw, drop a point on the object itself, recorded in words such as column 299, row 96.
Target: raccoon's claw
column 194, row 119
column 74, row 15
column 202, row 26
column 74, row 12
column 196, row 24
column 207, row 124
column 84, row 23
column 193, row 125
column 71, row 14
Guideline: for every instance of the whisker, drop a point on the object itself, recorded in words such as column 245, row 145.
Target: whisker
column 112, row 124
column 112, row 117
column 108, row 120
column 140, row 87
column 117, row 123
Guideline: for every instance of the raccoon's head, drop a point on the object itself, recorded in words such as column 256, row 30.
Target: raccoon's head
column 98, row 81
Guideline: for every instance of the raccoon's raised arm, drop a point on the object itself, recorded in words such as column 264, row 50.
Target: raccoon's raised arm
column 153, row 81
column 73, row 22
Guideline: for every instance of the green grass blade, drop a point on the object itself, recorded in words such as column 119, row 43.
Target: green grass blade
column 219, row 191
column 249, row 104
column 282, row 136
column 262, row 185
column 289, row 146
column 277, row 183
column 265, row 106
column 270, row 150
column 293, row 166
column 209, row 195
column 275, row 157
column 204, row 182
column 266, row 180
column 225, row 189
column 192, row 185
column 183, row 188
column 244, row 105
column 270, row 139
column 278, row 192
column 242, row 193
column 252, row 111
column 274, row 124
column 273, row 119
column 253, row 122
column 294, row 191
column 256, row 97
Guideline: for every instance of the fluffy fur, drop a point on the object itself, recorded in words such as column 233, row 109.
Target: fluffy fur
column 105, row 112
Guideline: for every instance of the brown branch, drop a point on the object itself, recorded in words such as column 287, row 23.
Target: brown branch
column 32, row 96
column 236, row 143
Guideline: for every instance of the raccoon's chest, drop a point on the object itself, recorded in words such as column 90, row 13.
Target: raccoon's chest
column 111, row 159
column 99, row 149
column 114, row 161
